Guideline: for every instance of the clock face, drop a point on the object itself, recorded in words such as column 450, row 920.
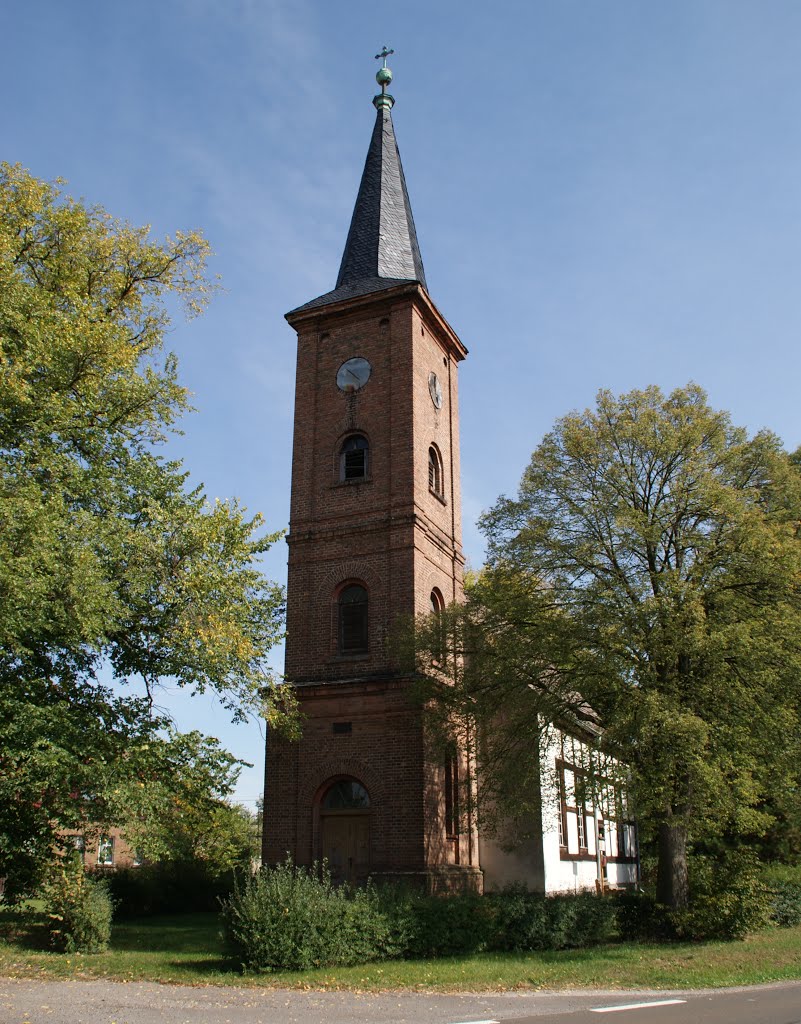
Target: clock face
column 435, row 389
column 353, row 374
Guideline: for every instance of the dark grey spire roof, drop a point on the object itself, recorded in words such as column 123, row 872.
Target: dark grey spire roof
column 381, row 250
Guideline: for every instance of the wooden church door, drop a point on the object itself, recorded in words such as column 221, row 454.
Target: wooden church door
column 345, row 831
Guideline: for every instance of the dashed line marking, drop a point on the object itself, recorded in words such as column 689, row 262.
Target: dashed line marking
column 476, row 1022
column 636, row 1006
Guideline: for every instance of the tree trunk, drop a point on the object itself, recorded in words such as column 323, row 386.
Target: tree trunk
column 672, row 880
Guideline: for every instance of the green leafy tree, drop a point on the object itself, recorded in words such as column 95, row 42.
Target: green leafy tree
column 177, row 806
column 107, row 557
column 646, row 579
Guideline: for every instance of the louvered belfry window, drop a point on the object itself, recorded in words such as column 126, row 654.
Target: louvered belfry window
column 353, row 620
column 435, row 472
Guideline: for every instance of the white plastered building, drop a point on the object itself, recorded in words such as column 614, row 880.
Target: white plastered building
column 583, row 836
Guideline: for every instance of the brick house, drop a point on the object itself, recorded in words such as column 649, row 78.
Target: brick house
column 105, row 850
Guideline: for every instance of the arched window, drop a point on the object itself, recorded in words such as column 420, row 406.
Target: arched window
column 440, row 636
column 352, row 603
column 346, row 795
column 452, row 801
column 354, row 458
column 435, row 483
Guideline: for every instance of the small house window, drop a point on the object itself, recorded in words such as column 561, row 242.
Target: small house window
column 105, row 851
column 562, row 821
column 354, row 458
column 581, row 825
column 77, row 844
column 435, row 484
column 352, row 603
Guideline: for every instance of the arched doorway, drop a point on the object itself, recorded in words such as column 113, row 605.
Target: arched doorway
column 345, row 831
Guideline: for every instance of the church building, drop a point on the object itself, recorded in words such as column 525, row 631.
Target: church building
column 375, row 535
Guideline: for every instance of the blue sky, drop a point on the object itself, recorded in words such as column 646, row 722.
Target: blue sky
column 607, row 194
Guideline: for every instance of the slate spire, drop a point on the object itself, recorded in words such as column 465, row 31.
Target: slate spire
column 381, row 249
column 382, row 241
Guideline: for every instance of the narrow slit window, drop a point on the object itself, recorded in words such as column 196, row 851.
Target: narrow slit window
column 452, row 794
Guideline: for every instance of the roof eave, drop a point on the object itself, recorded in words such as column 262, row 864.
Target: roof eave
column 303, row 317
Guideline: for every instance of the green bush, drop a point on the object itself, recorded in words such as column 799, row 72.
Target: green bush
column 785, row 903
column 171, row 887
column 78, row 908
column 728, row 898
column 447, row 925
column 595, row 919
column 525, row 920
column 291, row 918
column 640, row 918
column 294, row 918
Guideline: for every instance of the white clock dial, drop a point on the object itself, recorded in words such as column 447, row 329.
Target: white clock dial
column 353, row 374
column 435, row 389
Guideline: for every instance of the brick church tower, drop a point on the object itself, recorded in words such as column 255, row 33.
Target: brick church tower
column 375, row 534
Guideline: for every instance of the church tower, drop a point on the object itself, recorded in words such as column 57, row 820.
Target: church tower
column 375, row 535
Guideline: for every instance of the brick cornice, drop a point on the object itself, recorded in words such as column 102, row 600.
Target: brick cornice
column 376, row 304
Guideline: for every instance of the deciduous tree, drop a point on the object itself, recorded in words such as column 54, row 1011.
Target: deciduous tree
column 648, row 575
column 110, row 561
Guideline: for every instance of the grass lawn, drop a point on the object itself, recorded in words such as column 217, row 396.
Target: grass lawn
column 187, row 950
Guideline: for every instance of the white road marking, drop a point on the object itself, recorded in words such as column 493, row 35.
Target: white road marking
column 476, row 1022
column 636, row 1006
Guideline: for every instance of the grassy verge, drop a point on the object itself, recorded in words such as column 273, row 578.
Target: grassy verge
column 187, row 950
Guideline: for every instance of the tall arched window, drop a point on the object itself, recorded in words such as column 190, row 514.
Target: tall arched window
column 440, row 636
column 354, row 458
column 452, row 801
column 352, row 606
column 435, row 483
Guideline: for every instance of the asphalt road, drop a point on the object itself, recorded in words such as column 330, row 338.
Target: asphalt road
column 103, row 1002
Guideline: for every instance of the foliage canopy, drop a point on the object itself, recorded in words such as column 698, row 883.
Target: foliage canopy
column 110, row 563
column 645, row 579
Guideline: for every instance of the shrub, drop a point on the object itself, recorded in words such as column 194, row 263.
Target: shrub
column 595, row 919
column 78, row 908
column 170, row 887
column 447, row 925
column 294, row 918
column 728, row 898
column 640, row 918
column 368, row 929
column 521, row 919
column 289, row 918
column 525, row 920
column 785, row 903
